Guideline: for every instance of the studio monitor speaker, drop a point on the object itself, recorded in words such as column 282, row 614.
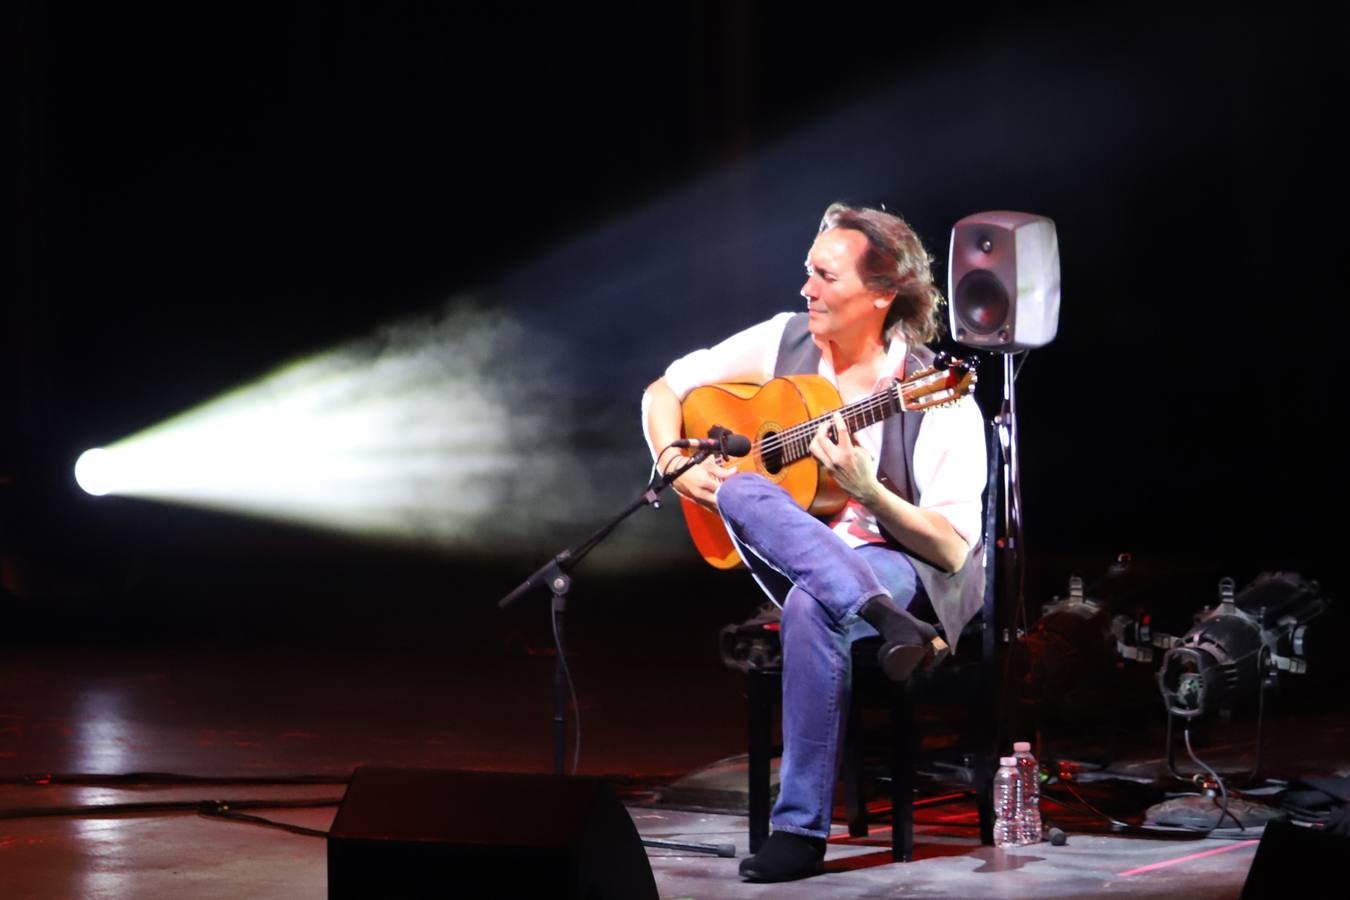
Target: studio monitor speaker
column 1295, row 861
column 426, row 833
column 1003, row 281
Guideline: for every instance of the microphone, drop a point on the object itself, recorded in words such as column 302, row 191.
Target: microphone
column 727, row 444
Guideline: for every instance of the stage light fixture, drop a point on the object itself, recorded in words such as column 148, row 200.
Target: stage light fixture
column 1233, row 648
column 92, row 472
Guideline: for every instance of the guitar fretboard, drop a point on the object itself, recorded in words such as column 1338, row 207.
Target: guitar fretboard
column 794, row 443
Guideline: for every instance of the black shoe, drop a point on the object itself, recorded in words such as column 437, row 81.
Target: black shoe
column 785, row 857
column 910, row 644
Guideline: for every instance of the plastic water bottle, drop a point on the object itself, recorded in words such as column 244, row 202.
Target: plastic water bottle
column 1030, row 820
column 1007, row 803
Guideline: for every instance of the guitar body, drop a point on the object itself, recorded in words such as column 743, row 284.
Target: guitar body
column 760, row 412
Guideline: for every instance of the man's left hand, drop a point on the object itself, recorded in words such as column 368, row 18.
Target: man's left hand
column 847, row 463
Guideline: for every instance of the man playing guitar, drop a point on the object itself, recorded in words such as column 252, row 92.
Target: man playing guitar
column 910, row 521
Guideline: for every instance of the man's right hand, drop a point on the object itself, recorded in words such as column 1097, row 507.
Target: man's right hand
column 700, row 483
column 663, row 420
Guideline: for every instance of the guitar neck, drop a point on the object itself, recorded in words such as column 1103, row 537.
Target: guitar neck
column 796, row 441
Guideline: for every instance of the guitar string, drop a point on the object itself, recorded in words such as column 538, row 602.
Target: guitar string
column 799, row 436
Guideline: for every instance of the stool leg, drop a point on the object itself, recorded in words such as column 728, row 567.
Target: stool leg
column 984, row 799
column 855, row 804
column 904, row 743
column 764, row 690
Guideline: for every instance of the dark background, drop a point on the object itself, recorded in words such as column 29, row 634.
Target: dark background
column 203, row 192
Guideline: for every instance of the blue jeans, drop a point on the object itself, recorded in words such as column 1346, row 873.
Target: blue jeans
column 821, row 583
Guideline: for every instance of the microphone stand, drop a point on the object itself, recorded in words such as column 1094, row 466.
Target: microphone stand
column 554, row 574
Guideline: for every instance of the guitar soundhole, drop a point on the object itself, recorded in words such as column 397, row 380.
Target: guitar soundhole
column 772, row 454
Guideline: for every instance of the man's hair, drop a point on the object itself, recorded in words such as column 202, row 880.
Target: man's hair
column 895, row 262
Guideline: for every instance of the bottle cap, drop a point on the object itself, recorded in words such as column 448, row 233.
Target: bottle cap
column 1007, row 761
column 1022, row 747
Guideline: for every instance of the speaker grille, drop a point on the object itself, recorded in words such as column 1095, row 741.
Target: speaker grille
column 981, row 304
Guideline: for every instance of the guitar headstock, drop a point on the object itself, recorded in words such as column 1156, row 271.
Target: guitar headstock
column 947, row 380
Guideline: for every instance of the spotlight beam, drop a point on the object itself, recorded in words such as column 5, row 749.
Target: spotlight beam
column 414, row 434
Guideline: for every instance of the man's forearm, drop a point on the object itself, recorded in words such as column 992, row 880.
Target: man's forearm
column 928, row 534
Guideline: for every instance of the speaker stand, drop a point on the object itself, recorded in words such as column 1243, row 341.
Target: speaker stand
column 1004, row 592
column 1011, row 546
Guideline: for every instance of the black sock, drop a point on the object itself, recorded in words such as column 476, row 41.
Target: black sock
column 896, row 626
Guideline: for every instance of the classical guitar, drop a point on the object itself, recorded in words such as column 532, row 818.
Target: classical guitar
column 781, row 418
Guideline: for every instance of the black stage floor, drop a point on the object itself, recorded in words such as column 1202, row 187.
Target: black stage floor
column 662, row 719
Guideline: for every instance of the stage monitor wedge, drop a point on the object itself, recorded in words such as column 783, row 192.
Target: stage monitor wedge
column 1003, row 281
column 426, row 833
column 1296, row 861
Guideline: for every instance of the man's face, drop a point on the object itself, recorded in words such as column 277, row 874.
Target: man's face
column 839, row 304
